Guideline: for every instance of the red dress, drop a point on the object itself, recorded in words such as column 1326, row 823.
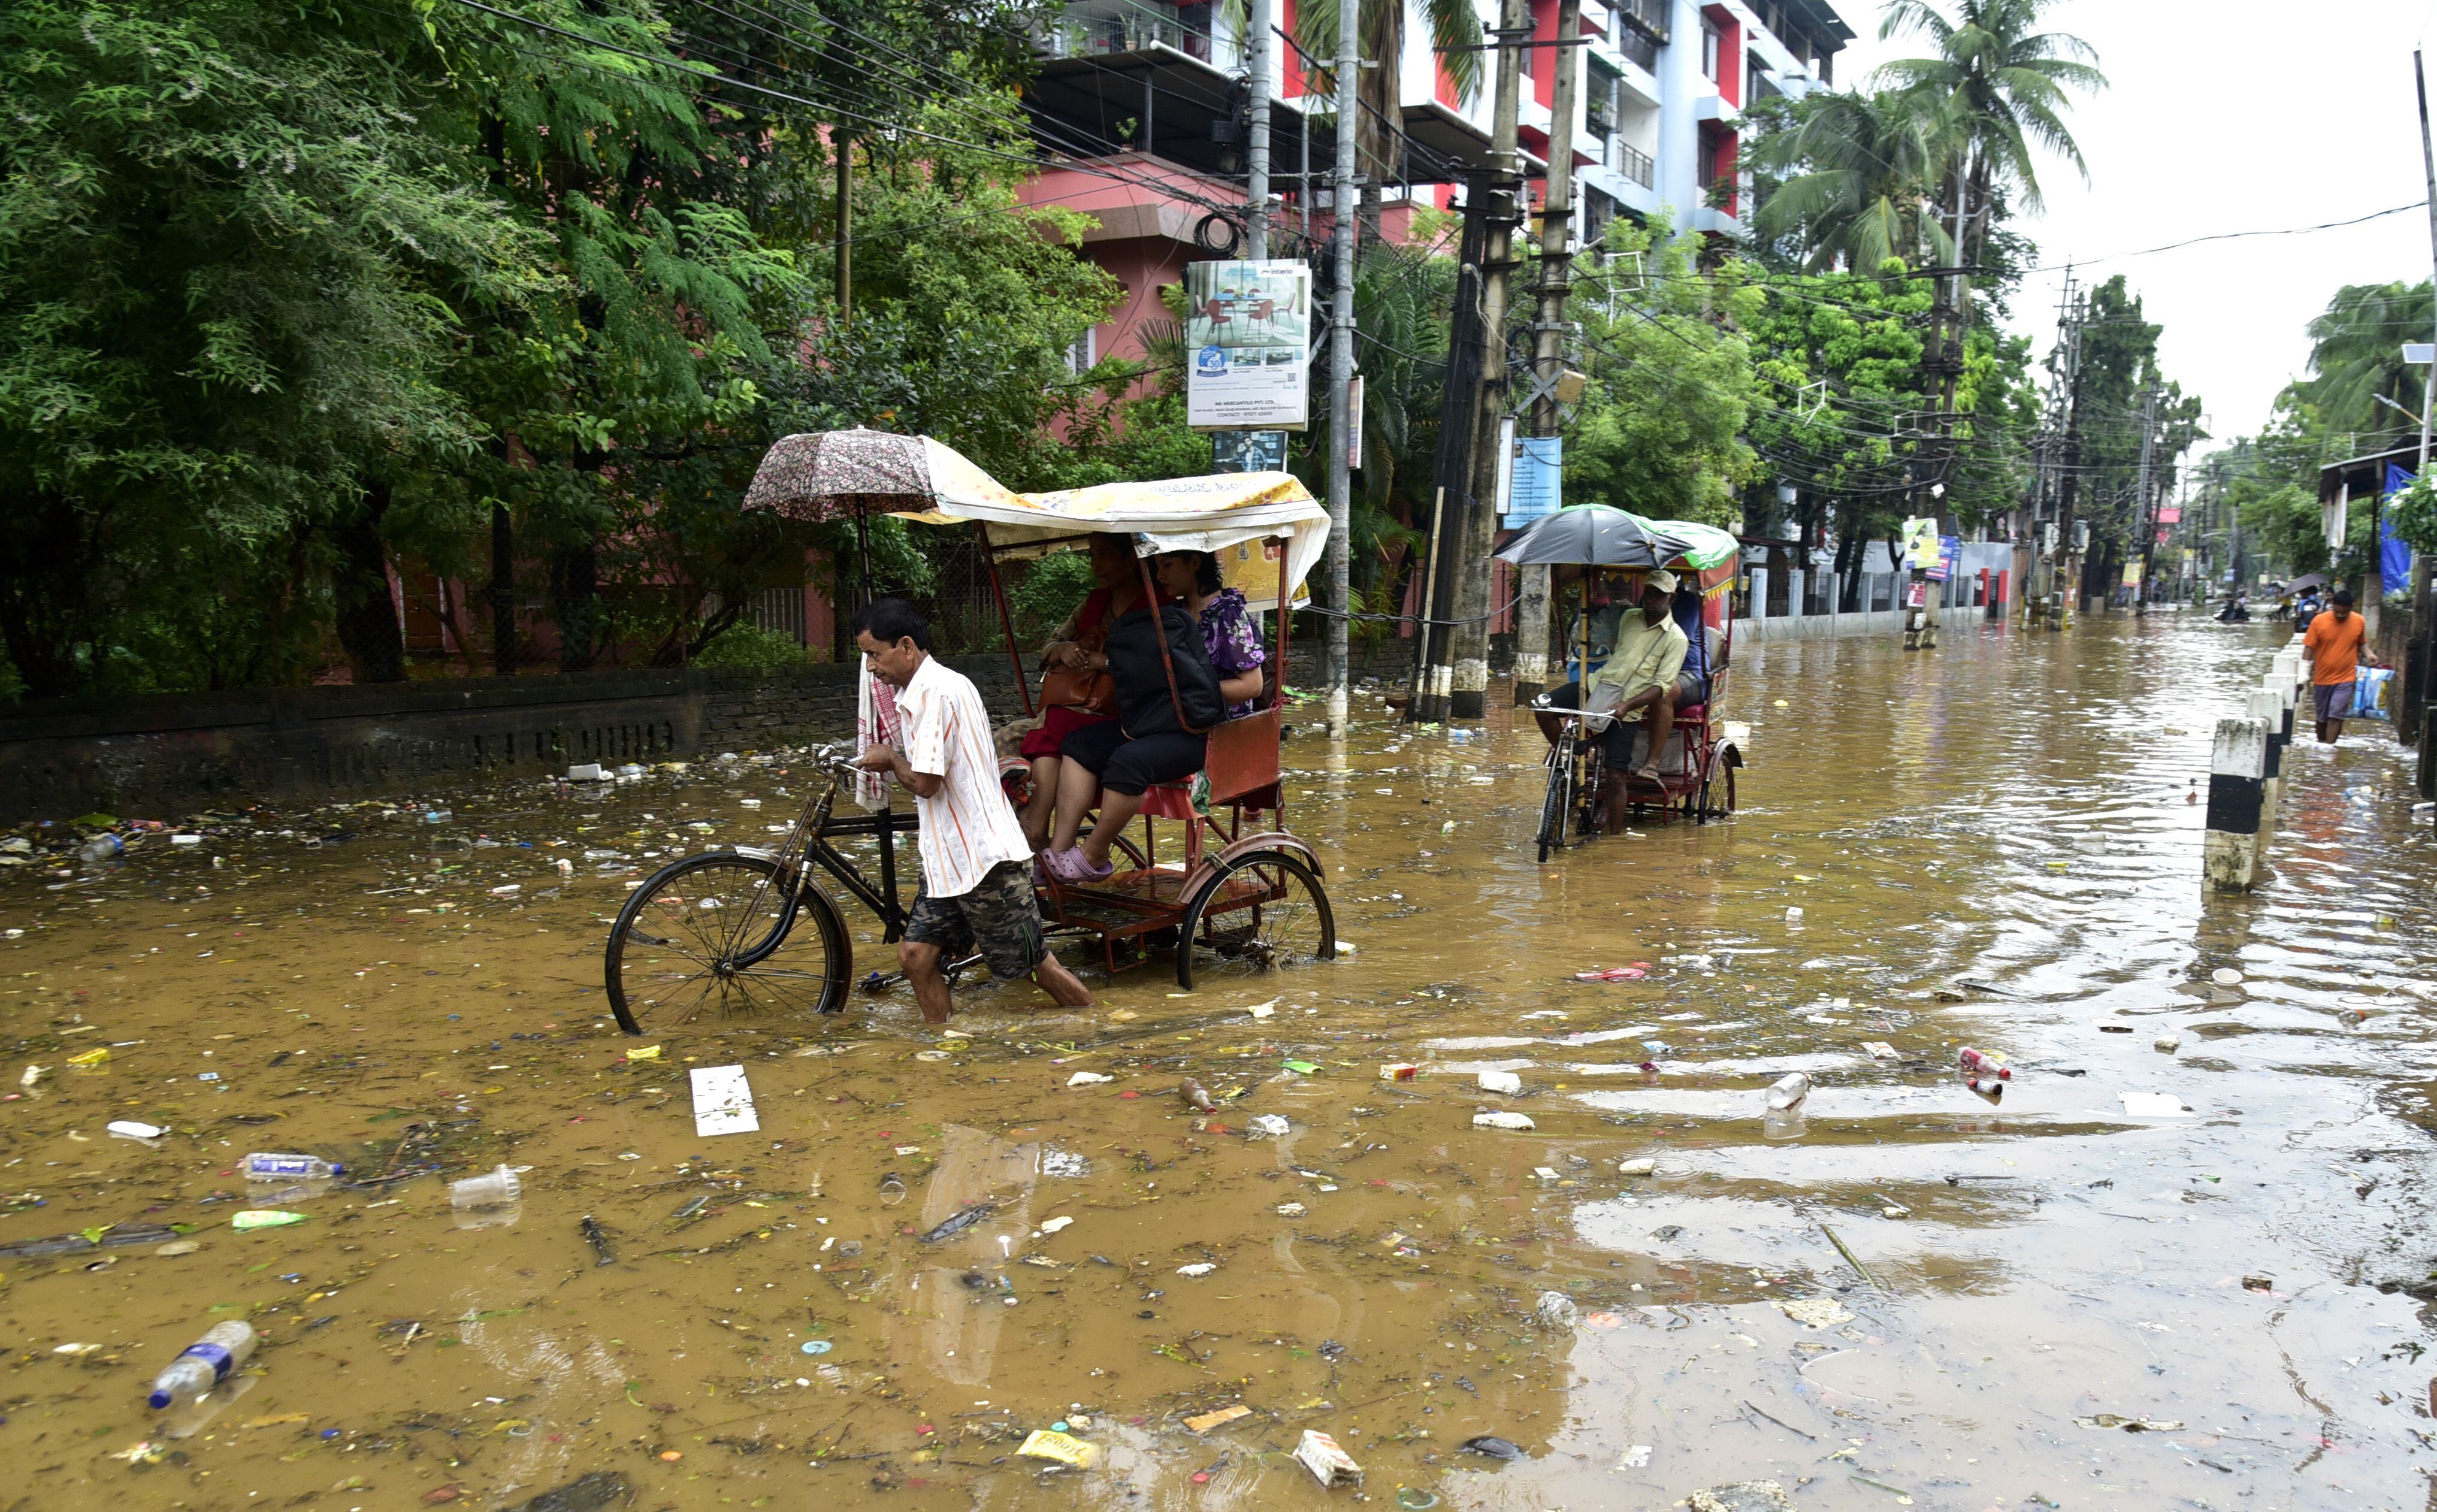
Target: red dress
column 1061, row 722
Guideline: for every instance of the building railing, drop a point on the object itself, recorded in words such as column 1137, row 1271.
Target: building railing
column 1093, row 26
column 1639, row 48
column 1648, row 16
column 1636, row 164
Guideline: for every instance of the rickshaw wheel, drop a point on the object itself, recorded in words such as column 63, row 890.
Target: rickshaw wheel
column 1264, row 910
column 718, row 936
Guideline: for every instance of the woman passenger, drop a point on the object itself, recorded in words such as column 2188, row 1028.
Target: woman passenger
column 1229, row 630
column 1078, row 643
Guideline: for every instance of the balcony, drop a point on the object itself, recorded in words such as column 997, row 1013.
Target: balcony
column 1635, row 164
column 1101, row 27
column 1648, row 17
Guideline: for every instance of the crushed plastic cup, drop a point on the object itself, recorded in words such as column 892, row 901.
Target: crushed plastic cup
column 492, row 1188
column 1273, row 1124
column 1787, row 1092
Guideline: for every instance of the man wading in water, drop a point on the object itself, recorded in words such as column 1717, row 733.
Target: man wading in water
column 976, row 891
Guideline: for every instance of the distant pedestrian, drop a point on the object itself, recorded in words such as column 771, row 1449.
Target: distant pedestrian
column 976, row 891
column 2333, row 647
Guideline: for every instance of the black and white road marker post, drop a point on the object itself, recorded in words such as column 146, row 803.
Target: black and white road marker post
column 2236, row 800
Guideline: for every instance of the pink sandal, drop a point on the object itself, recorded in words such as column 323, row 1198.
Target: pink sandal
column 1070, row 866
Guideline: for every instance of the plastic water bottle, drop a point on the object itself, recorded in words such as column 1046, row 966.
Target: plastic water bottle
column 1976, row 1065
column 1788, row 1091
column 205, row 1363
column 289, row 1168
column 102, row 848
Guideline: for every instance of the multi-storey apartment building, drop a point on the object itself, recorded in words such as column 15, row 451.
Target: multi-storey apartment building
column 1143, row 103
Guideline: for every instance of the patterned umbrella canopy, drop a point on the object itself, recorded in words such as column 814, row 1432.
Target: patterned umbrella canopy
column 825, row 475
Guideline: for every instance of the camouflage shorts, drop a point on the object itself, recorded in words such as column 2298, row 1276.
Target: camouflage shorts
column 1001, row 918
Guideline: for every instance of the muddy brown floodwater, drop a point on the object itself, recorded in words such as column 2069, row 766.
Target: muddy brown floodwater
column 1907, row 1296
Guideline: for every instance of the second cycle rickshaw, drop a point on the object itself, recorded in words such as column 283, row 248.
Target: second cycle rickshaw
column 748, row 930
column 1695, row 769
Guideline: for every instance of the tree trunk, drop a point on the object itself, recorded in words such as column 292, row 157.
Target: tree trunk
column 367, row 616
column 575, row 602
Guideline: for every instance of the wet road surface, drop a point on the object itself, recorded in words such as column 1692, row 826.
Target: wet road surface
column 1906, row 1295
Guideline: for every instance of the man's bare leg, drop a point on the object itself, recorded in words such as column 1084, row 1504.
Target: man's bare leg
column 920, row 963
column 1059, row 983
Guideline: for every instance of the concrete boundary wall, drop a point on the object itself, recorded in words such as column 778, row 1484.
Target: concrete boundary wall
column 173, row 754
column 1886, row 623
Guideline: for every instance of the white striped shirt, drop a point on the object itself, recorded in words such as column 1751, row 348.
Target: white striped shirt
column 968, row 826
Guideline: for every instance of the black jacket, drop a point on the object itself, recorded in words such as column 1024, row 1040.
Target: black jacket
column 1144, row 706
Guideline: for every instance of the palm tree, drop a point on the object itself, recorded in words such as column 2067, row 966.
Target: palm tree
column 1995, row 91
column 2357, row 353
column 1852, row 173
column 1379, row 129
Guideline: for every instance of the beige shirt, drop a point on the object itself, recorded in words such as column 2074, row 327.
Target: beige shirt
column 968, row 825
column 1647, row 655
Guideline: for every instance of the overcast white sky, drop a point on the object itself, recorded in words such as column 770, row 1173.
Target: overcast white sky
column 2227, row 115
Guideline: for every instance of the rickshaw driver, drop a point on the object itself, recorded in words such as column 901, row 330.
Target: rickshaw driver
column 976, row 891
column 1641, row 675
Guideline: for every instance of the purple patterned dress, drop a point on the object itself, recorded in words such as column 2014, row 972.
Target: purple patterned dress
column 1233, row 637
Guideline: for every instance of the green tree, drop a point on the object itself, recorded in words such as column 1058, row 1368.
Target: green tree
column 227, row 256
column 2357, row 359
column 1660, row 431
column 1993, row 95
column 1842, row 180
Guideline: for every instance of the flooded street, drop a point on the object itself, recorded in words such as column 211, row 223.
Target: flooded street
column 1907, row 1294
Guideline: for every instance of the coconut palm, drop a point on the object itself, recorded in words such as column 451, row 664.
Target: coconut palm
column 2357, row 353
column 1994, row 94
column 1379, row 129
column 1843, row 180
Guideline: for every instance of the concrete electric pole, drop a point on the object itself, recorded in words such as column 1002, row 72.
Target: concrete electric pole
column 1256, row 150
column 1469, row 693
column 1340, row 359
column 1550, row 330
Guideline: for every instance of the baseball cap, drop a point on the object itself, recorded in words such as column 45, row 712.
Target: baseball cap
column 1661, row 579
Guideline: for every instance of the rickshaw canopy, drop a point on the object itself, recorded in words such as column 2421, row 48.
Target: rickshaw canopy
column 1230, row 514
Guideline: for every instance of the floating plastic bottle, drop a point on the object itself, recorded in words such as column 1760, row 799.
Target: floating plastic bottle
column 1788, row 1091
column 1980, row 1065
column 205, row 1363
column 102, row 848
column 281, row 1168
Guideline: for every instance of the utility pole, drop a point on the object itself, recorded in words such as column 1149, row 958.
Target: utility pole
column 844, row 223
column 1257, row 151
column 2414, row 721
column 2144, row 512
column 1468, row 694
column 1453, row 500
column 1341, row 360
column 2068, row 560
column 1548, row 331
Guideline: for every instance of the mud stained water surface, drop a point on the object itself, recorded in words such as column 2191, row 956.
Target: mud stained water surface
column 2144, row 1278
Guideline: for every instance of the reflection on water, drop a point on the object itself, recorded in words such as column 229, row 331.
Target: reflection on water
column 1902, row 1288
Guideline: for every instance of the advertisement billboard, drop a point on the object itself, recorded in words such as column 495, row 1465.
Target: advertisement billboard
column 1248, row 344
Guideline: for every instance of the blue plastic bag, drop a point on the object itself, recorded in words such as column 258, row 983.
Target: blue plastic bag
column 2370, row 693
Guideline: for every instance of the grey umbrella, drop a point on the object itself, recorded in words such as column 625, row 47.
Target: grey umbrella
column 1588, row 535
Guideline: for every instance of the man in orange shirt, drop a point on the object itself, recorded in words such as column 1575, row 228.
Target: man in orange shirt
column 2333, row 649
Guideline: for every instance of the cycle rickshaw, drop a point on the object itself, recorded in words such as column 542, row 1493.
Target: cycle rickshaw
column 1696, row 768
column 722, row 933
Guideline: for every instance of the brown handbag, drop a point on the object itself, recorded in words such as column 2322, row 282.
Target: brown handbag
column 1093, row 693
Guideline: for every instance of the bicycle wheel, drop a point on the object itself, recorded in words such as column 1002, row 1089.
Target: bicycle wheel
column 1265, row 910
column 1586, row 797
column 721, row 936
column 1557, row 804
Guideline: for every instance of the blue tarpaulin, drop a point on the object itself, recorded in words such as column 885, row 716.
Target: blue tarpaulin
column 2393, row 557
